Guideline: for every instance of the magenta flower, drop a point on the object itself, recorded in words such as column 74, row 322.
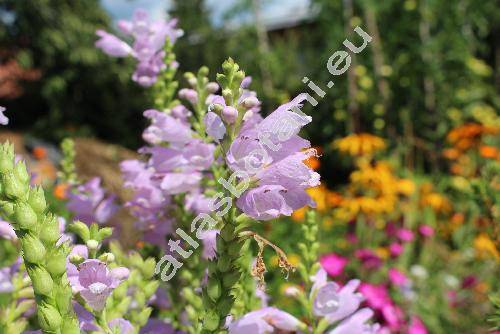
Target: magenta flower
column 417, row 326
column 405, row 235
column 376, row 296
column 426, row 230
column 333, row 264
column 393, row 316
column 263, row 321
column 96, row 282
column 368, row 258
column 3, row 119
column 397, row 277
column 89, row 204
column 395, row 249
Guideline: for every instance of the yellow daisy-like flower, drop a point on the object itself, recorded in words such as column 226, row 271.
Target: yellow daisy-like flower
column 363, row 144
column 485, row 246
column 406, row 187
column 437, row 201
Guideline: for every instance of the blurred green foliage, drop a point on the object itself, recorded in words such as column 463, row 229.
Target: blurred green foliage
column 81, row 90
column 430, row 67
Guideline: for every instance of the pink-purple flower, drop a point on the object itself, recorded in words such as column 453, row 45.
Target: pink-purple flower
column 147, row 48
column 96, row 282
column 263, row 321
column 89, row 204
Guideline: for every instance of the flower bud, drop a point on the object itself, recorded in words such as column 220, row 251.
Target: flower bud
column 192, row 81
column 250, row 102
column 21, row 172
column 104, row 233
column 7, row 207
column 12, row 187
column 211, row 321
column 151, row 288
column 227, row 94
column 41, row 280
column 227, row 66
column 144, row 315
column 81, row 230
column 203, row 71
column 148, row 268
column 229, row 114
column 24, row 216
column 189, row 94
column 239, row 76
column 36, row 199
column 92, row 244
column 216, row 108
column 56, row 264
column 70, row 326
column 6, row 157
column 49, row 318
column 63, row 297
column 76, row 259
column 34, row 252
column 214, row 289
column 107, row 257
column 50, row 233
column 212, row 87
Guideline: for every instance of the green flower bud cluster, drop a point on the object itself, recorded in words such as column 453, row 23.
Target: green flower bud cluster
column 140, row 282
column 223, row 274
column 224, row 271
column 309, row 249
column 11, row 315
column 200, row 84
column 246, row 298
column 38, row 232
column 230, row 81
column 92, row 236
column 68, row 169
column 165, row 87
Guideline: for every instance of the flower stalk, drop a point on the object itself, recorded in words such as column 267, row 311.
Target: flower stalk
column 38, row 232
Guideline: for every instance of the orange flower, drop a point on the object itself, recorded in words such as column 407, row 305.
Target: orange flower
column 488, row 152
column 39, row 152
column 299, row 214
column 312, row 162
column 451, row 153
column 60, row 191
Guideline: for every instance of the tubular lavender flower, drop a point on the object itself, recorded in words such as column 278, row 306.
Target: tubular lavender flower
column 149, row 40
column 38, row 232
